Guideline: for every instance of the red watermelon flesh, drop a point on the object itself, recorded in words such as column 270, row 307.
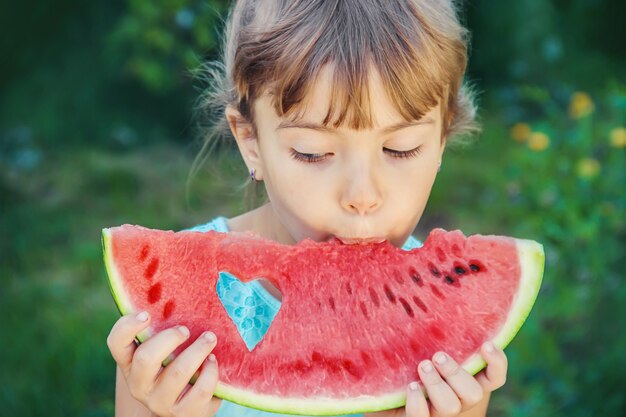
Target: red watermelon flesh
column 355, row 320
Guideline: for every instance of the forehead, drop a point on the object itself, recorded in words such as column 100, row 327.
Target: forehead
column 321, row 99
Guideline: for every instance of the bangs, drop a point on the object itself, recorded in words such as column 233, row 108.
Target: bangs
column 419, row 61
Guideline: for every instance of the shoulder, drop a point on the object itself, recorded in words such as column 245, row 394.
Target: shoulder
column 218, row 224
column 411, row 243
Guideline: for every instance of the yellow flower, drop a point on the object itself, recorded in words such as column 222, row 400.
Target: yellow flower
column 520, row 132
column 618, row 137
column 538, row 141
column 588, row 168
column 580, row 105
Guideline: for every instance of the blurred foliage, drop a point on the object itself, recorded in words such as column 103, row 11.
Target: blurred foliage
column 159, row 41
column 538, row 42
column 565, row 178
column 95, row 110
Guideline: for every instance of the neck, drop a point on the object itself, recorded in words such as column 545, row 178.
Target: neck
column 264, row 222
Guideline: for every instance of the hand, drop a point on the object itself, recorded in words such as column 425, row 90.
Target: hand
column 166, row 391
column 451, row 389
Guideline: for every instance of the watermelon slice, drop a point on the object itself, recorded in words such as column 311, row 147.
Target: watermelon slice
column 355, row 320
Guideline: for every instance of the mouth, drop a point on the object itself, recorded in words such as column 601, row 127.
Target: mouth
column 360, row 240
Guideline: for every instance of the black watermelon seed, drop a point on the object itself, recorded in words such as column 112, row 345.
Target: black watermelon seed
column 390, row 295
column 477, row 266
column 407, row 307
column 449, row 279
column 415, row 276
column 460, row 270
column 433, row 269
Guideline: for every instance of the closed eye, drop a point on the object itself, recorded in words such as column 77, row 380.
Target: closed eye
column 307, row 157
column 405, row 154
column 318, row 157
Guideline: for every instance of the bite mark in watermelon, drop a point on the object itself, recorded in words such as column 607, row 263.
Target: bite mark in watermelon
column 355, row 320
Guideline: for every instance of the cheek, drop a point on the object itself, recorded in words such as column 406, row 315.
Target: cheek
column 413, row 187
column 299, row 189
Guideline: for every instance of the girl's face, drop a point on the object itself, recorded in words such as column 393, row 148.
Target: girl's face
column 345, row 183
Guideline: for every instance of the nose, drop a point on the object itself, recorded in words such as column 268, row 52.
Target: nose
column 361, row 195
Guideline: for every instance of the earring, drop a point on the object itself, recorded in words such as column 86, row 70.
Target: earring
column 252, row 175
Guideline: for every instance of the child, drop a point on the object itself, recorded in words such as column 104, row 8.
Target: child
column 343, row 109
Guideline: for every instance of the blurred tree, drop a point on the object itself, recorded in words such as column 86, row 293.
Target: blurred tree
column 116, row 66
column 158, row 42
column 580, row 42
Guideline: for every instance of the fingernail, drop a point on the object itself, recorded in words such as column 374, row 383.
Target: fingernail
column 209, row 336
column 440, row 358
column 489, row 347
column 427, row 366
column 413, row 386
column 212, row 358
column 184, row 331
column 143, row 316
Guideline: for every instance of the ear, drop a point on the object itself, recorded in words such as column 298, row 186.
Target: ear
column 244, row 133
column 443, row 146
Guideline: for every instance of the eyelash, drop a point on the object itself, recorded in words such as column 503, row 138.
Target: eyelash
column 312, row 158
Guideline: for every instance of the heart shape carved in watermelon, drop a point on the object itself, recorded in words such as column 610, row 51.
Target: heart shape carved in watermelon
column 247, row 305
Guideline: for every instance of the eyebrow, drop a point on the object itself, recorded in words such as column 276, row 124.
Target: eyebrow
column 291, row 124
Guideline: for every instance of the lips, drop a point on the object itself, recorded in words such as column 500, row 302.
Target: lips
column 361, row 240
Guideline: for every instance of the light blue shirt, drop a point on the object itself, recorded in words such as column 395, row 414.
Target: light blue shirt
column 252, row 309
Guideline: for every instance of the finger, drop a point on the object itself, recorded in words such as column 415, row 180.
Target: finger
column 442, row 397
column 494, row 376
column 199, row 400
column 416, row 404
column 149, row 356
column 121, row 339
column 469, row 391
column 175, row 377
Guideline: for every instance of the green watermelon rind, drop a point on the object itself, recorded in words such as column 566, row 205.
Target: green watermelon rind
column 122, row 302
column 531, row 259
column 310, row 406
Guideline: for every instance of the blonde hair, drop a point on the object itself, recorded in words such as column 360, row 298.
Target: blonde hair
column 278, row 47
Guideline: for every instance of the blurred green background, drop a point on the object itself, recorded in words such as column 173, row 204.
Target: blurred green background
column 96, row 100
